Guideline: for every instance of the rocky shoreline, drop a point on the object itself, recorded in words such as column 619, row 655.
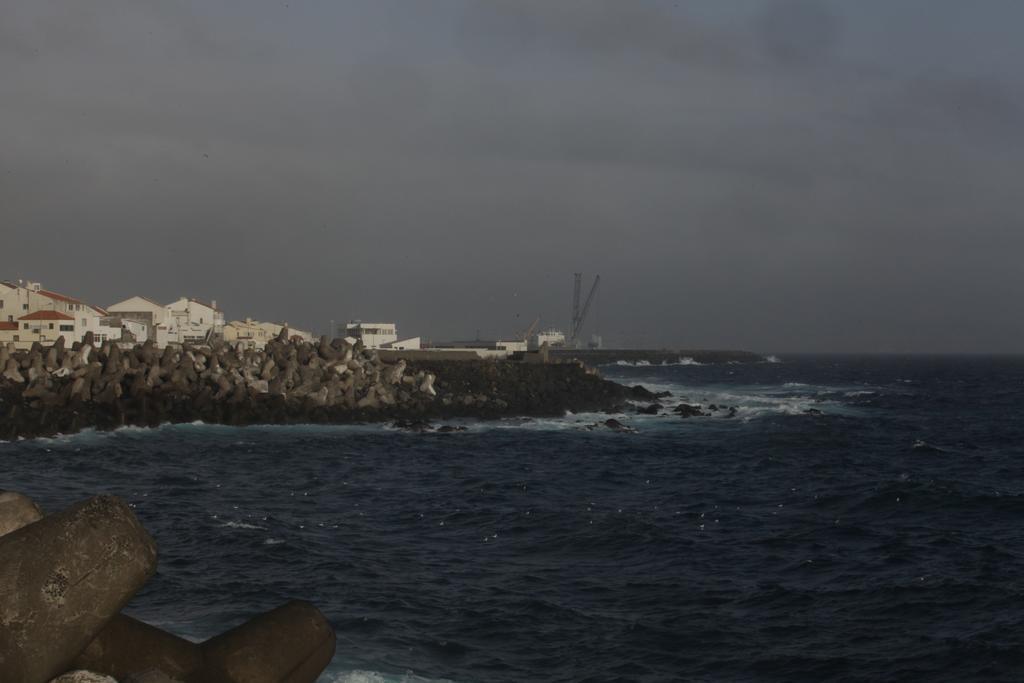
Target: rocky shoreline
column 52, row 390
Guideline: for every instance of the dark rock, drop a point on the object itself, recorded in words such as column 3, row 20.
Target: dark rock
column 448, row 429
column 617, row 426
column 686, row 410
column 652, row 409
column 639, row 391
column 419, row 426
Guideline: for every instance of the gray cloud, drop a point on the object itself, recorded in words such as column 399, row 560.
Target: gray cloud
column 754, row 178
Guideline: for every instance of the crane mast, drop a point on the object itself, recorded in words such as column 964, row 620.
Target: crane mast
column 580, row 316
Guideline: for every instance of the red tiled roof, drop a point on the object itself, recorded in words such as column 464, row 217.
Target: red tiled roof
column 46, row 315
column 61, row 297
column 203, row 303
column 4, row 325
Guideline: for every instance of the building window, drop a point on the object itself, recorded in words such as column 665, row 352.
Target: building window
column 67, row 328
column 51, row 326
column 24, row 307
column 1, row 303
column 26, row 325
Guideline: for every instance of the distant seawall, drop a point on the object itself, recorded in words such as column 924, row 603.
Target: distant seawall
column 56, row 390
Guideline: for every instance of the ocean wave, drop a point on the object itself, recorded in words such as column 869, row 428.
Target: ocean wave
column 921, row 446
column 357, row 676
column 772, row 359
column 683, row 361
column 241, row 525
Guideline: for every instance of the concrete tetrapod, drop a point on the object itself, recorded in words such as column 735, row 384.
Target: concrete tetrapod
column 293, row 643
column 64, row 577
column 16, row 511
column 129, row 647
column 83, row 677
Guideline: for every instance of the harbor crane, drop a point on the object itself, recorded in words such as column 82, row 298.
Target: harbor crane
column 529, row 331
column 580, row 316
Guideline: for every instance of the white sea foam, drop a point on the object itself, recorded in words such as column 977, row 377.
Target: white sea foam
column 241, row 525
column 684, row 360
column 772, row 359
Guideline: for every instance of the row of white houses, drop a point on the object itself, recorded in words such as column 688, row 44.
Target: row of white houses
column 30, row 313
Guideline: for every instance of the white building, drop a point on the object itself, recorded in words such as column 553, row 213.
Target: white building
column 550, row 337
column 45, row 327
column 191, row 314
column 21, row 299
column 410, row 344
column 183, row 321
column 513, row 346
column 13, row 301
column 274, row 329
column 143, row 310
column 373, row 335
column 9, row 331
column 249, row 332
column 129, row 332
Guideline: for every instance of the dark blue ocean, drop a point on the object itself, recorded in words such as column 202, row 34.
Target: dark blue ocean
column 882, row 539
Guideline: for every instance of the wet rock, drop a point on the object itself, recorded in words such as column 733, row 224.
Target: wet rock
column 813, row 411
column 617, row 426
column 686, row 410
column 652, row 409
column 419, row 426
column 449, row 429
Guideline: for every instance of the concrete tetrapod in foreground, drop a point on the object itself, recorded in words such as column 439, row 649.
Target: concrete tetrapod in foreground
column 128, row 647
column 290, row 644
column 16, row 511
column 63, row 580
column 64, row 577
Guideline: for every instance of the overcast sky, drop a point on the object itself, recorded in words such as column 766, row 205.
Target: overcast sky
column 771, row 175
